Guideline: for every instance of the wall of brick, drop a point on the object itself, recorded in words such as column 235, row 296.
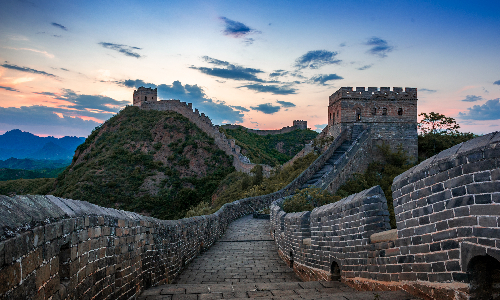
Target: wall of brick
column 448, row 214
column 69, row 249
column 392, row 115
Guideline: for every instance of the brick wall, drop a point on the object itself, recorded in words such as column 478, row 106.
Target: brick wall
column 448, row 219
column 69, row 249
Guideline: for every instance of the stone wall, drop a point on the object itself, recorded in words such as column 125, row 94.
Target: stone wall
column 69, row 249
column 392, row 115
column 448, row 229
column 240, row 162
column 298, row 124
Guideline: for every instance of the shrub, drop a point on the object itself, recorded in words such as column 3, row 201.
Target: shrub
column 308, row 199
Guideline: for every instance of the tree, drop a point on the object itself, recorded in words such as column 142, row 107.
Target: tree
column 437, row 133
column 436, row 123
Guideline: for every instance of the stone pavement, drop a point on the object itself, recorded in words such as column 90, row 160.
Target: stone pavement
column 243, row 264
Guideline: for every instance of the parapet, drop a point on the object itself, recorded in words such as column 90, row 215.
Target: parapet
column 375, row 93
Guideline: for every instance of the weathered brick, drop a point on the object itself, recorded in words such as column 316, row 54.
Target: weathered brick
column 491, row 209
column 423, row 267
column 10, row 276
column 438, row 267
column 440, row 216
column 459, row 191
column 483, row 187
column 488, row 221
column 458, row 181
column 486, row 232
column 459, row 201
column 463, row 221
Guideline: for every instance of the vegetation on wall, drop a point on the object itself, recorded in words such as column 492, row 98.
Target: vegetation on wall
column 238, row 185
column 271, row 149
column 308, row 199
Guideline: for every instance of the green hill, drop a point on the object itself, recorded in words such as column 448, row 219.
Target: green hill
column 270, row 149
column 153, row 162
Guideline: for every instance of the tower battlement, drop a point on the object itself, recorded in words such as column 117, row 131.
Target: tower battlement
column 144, row 94
column 375, row 93
column 392, row 115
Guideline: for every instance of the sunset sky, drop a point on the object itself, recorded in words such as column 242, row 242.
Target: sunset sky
column 67, row 66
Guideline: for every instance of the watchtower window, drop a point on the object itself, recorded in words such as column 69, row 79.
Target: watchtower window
column 358, row 114
column 374, row 111
column 400, row 111
column 384, row 111
column 145, row 98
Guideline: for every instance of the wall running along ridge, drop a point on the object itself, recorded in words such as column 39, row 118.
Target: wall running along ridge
column 448, row 237
column 69, row 249
column 240, row 162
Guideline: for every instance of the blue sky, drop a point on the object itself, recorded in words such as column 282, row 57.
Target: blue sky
column 67, row 66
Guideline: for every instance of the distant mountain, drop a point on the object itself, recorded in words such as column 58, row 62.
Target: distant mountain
column 52, row 151
column 33, row 164
column 20, row 144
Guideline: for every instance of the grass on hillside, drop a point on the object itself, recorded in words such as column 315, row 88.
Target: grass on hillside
column 39, row 186
column 13, row 174
column 263, row 149
column 238, row 185
column 121, row 158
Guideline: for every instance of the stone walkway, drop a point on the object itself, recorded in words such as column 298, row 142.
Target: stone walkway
column 243, row 264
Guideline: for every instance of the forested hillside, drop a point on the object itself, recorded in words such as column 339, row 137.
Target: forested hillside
column 154, row 162
column 270, row 149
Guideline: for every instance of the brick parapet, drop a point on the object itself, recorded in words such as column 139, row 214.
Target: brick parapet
column 104, row 252
column 448, row 214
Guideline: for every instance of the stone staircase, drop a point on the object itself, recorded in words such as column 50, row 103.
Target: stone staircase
column 328, row 166
column 356, row 131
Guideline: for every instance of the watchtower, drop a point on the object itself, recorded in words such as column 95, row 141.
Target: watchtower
column 392, row 115
column 301, row 124
column 143, row 94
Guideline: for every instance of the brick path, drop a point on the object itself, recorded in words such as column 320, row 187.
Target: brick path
column 244, row 263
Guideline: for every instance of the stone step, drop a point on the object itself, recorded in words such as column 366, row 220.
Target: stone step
column 284, row 290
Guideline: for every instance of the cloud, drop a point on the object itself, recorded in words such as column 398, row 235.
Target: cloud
column 240, row 108
column 127, row 50
column 365, row 67
column 266, row 108
column 497, row 82
column 316, row 59
column 278, row 73
column 59, row 26
column 231, row 71
column 274, row 89
column 323, row 78
column 488, row 111
column 32, row 50
column 218, row 111
column 28, row 70
column 9, row 88
column 427, row 90
column 84, row 103
column 46, row 94
column 285, row 103
column 42, row 118
column 472, row 98
column 236, row 29
column 379, row 47
column 319, row 127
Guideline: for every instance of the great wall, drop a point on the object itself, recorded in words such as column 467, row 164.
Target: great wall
column 446, row 245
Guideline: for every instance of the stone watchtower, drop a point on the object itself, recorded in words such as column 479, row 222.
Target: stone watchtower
column 143, row 94
column 301, row 124
column 391, row 115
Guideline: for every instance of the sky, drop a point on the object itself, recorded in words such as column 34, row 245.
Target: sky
column 67, row 66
